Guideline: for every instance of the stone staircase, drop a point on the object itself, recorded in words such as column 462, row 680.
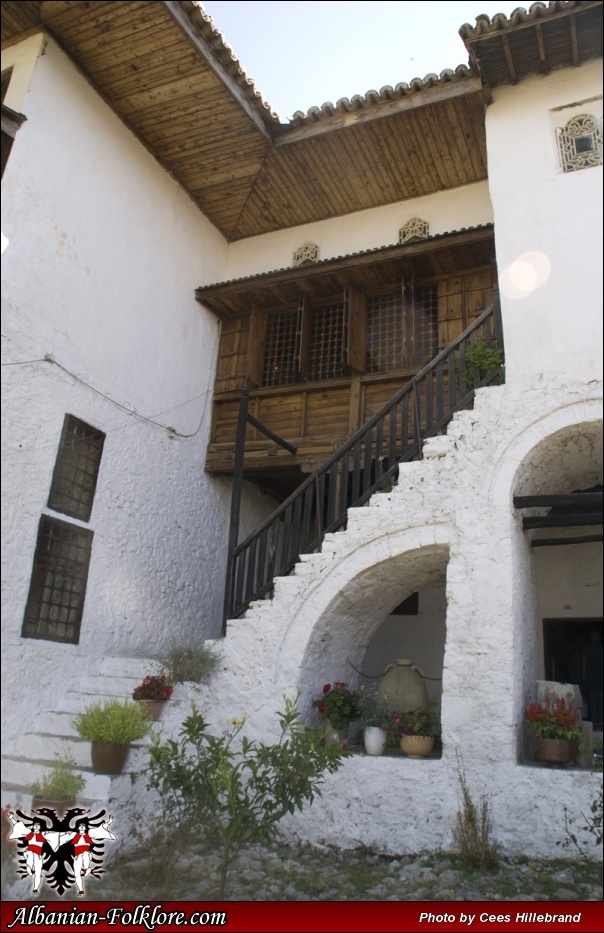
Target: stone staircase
column 34, row 751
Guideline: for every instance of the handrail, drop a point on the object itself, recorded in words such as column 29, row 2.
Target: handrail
column 366, row 462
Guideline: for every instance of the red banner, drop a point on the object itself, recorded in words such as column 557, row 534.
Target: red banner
column 301, row 917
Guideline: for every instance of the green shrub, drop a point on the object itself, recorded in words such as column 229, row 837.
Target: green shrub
column 116, row 721
column 194, row 663
column 235, row 791
column 60, row 781
column 483, row 358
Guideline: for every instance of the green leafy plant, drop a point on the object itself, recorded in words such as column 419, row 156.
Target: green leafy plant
column 483, row 358
column 60, row 781
column 370, row 711
column 553, row 719
column 423, row 720
column 472, row 834
column 337, row 703
column 154, row 687
column 116, row 721
column 591, row 826
column 235, row 789
column 194, row 663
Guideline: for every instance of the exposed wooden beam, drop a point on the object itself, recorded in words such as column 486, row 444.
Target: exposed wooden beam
column 553, row 542
column 572, row 22
column 541, row 47
column 205, row 50
column 509, row 59
column 434, row 95
column 574, row 499
column 562, row 521
column 342, row 263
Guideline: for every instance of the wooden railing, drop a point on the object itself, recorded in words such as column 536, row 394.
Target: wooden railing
column 367, row 462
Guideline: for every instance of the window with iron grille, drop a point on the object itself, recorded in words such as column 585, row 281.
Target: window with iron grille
column 76, row 469
column 280, row 365
column 58, row 581
column 325, row 359
column 401, row 329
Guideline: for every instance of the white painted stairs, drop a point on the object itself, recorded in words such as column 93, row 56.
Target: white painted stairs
column 34, row 751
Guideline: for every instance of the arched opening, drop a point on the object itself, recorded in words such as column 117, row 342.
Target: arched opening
column 372, row 622
column 564, row 541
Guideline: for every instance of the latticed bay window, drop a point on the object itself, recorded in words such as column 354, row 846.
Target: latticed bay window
column 307, row 344
column 401, row 329
column 378, row 333
column 58, row 581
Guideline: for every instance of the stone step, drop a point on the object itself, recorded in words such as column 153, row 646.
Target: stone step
column 37, row 745
column 129, row 667
column 20, row 772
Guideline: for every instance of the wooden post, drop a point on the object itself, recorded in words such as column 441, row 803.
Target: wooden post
column 235, row 504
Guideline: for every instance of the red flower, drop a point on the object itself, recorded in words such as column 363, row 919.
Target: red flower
column 327, row 688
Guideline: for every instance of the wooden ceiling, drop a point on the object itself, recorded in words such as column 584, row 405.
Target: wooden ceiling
column 166, row 71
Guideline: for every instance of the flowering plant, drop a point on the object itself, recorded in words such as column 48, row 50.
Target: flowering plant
column 154, row 687
column 337, row 703
column 421, row 721
column 553, row 719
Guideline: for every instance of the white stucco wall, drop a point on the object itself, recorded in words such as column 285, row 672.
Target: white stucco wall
column 548, row 230
column 445, row 211
column 450, row 515
column 104, row 253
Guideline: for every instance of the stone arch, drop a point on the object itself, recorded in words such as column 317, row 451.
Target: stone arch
column 327, row 638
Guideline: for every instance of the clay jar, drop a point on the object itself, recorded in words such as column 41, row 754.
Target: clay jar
column 403, row 686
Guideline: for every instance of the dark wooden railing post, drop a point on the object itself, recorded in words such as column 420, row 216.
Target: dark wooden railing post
column 235, row 504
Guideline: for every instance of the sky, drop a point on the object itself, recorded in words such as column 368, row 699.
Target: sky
column 302, row 54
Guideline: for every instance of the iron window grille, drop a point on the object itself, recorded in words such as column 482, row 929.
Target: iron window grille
column 76, row 469
column 58, row 582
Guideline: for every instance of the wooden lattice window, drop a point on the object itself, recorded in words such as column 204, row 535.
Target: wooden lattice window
column 58, row 581
column 326, row 358
column 76, row 469
column 280, row 364
column 401, row 328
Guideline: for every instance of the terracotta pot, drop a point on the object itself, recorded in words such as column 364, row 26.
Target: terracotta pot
column 374, row 740
column 108, row 758
column 154, row 708
column 60, row 806
column 555, row 751
column 417, row 746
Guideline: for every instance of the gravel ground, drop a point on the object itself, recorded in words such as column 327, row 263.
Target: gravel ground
column 283, row 873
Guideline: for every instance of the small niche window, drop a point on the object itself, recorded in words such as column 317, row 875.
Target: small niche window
column 76, row 469
column 580, row 142
column 58, row 582
column 306, row 254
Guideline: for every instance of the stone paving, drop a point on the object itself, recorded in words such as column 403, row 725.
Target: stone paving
column 282, row 873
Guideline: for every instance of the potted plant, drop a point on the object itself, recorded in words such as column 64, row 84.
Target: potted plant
column 58, row 787
column 556, row 727
column 153, row 692
column 110, row 728
column 416, row 729
column 374, row 718
column 337, row 705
